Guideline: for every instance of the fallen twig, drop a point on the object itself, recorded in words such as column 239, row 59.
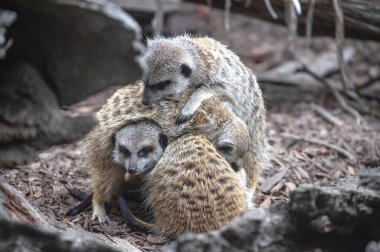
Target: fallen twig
column 326, row 115
column 319, row 142
column 339, row 38
column 369, row 83
column 342, row 102
column 309, row 22
column 291, row 20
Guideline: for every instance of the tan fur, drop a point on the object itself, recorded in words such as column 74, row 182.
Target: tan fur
column 194, row 190
column 216, row 70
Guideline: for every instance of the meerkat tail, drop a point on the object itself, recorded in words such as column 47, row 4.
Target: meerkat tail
column 82, row 206
column 132, row 221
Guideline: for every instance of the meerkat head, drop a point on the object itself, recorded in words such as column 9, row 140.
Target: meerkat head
column 169, row 70
column 233, row 143
column 138, row 147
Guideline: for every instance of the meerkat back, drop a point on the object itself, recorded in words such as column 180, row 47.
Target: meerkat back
column 193, row 189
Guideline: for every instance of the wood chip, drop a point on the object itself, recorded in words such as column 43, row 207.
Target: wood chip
column 37, row 195
column 278, row 187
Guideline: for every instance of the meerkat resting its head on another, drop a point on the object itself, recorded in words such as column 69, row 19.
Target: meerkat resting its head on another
column 203, row 68
column 191, row 189
column 134, row 149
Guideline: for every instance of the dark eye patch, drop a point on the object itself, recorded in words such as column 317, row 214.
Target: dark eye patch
column 225, row 149
column 161, row 85
column 145, row 151
column 125, row 151
column 185, row 70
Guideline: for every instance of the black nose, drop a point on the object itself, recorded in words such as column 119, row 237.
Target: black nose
column 132, row 170
column 235, row 167
column 145, row 101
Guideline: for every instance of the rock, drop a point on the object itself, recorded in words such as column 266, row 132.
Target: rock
column 346, row 218
column 78, row 47
column 370, row 180
column 6, row 19
column 30, row 117
column 24, row 228
column 62, row 51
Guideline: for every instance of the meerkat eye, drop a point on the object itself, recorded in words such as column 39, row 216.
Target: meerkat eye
column 161, row 85
column 145, row 151
column 185, row 70
column 225, row 149
column 125, row 151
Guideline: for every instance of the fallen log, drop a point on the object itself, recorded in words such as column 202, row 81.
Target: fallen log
column 24, row 228
column 361, row 17
column 345, row 218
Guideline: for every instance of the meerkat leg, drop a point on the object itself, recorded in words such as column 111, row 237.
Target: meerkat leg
column 99, row 211
column 193, row 104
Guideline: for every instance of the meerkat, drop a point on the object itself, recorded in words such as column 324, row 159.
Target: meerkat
column 133, row 149
column 203, row 68
column 193, row 191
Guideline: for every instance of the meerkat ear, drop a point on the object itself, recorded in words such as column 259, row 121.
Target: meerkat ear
column 185, row 70
column 163, row 141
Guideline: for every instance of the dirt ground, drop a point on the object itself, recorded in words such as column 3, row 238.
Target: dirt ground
column 306, row 147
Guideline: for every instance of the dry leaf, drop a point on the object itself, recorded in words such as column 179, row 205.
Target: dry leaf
column 290, row 186
column 272, row 181
column 266, row 203
column 350, row 170
column 303, row 173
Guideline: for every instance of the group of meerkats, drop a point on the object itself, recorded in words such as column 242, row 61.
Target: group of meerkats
column 191, row 136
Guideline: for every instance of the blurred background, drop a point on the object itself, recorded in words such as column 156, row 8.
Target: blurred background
column 317, row 62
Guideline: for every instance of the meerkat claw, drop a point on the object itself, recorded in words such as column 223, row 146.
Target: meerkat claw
column 101, row 219
column 181, row 119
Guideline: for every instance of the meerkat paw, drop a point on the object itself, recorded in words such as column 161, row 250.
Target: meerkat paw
column 99, row 212
column 193, row 104
column 182, row 118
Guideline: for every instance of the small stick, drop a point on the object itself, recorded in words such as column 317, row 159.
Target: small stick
column 319, row 142
column 268, row 4
column 309, row 22
column 339, row 38
column 342, row 102
column 291, row 20
column 326, row 115
column 227, row 19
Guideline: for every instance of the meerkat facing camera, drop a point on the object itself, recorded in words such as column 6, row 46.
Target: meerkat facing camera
column 203, row 68
column 194, row 190
column 134, row 149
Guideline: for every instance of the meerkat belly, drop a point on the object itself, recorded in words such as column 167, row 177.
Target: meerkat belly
column 195, row 190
